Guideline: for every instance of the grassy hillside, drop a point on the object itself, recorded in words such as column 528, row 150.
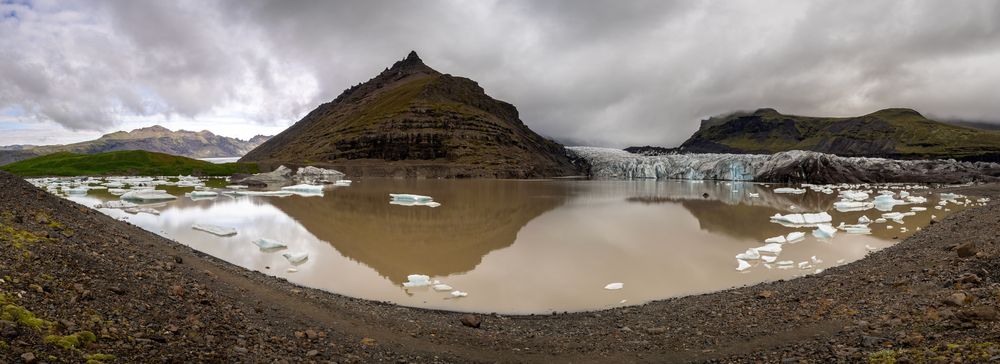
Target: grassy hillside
column 131, row 162
column 893, row 133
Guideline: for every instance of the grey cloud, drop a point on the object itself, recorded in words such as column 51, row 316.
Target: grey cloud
column 611, row 73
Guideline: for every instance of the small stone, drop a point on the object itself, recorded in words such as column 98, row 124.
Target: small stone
column 368, row 341
column 312, row 353
column 78, row 287
column 28, row 358
column 311, row 334
column 704, row 195
column 656, row 330
column 240, row 349
column 177, row 290
column 980, row 313
column 472, row 321
column 969, row 278
column 117, row 290
column 300, row 334
column 957, row 299
column 178, row 260
column 966, row 250
column 765, row 294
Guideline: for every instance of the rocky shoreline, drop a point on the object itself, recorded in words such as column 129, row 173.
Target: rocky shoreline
column 78, row 285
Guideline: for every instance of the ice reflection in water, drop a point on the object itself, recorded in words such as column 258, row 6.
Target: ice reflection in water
column 519, row 246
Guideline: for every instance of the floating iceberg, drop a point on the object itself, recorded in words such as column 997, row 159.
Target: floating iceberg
column 768, row 258
column 409, row 197
column 215, row 229
column 147, row 195
column 265, row 193
column 296, row 258
column 773, row 248
column 203, row 194
column 750, row 254
column 918, row 209
column 753, row 195
column 854, row 195
column 115, row 205
column 268, row 244
column 802, row 219
column 145, row 210
column 864, row 220
column 417, row 280
column 855, row 229
column 796, row 191
column 614, row 286
column 777, row 239
column 342, row 183
column 742, row 265
column 117, row 191
column 76, row 190
column 795, row 236
column 848, row 206
column 442, row 287
column 824, row 231
column 457, row 294
column 303, row 188
column 414, row 203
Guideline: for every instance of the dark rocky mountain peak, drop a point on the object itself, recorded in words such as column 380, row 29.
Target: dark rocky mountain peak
column 411, row 120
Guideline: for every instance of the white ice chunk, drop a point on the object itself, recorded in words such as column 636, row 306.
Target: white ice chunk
column 796, row 191
column 457, row 294
column 115, row 205
column 773, row 248
column 614, row 286
column 864, row 220
column 442, row 287
column 824, row 231
column 417, row 280
column 795, row 236
column 215, row 229
column 342, row 183
column 203, row 194
column 296, row 258
column 147, row 195
column 268, row 244
column 742, row 265
column 848, row 206
column 918, row 209
column 769, row 258
column 753, row 195
column 809, row 219
column 409, row 197
column 777, row 239
column 265, row 193
column 304, row 188
column 750, row 254
column 144, row 210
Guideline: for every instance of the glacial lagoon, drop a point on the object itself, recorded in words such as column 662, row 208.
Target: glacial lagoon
column 519, row 246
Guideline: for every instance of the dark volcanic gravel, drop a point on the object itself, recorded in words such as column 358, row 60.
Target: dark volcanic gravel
column 148, row 299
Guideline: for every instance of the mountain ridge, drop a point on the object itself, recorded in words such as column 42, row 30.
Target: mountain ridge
column 156, row 138
column 896, row 133
column 413, row 121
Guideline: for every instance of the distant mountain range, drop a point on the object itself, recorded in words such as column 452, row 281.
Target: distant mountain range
column 203, row 144
column 889, row 133
column 413, row 121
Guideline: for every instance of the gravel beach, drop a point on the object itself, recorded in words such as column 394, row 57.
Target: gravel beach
column 79, row 286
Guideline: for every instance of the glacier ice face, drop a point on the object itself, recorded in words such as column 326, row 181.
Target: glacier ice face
column 790, row 166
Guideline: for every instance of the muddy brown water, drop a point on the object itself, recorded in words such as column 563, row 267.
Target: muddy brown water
column 521, row 246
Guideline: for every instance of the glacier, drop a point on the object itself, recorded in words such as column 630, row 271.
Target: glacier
column 790, row 166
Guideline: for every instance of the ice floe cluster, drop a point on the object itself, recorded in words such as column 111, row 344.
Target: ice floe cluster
column 420, row 280
column 883, row 198
column 405, row 199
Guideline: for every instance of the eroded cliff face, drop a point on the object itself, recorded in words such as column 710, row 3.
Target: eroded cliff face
column 792, row 166
column 411, row 120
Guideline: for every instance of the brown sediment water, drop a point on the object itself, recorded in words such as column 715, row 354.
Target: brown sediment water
column 523, row 246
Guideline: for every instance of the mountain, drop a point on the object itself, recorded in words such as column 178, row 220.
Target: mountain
column 121, row 163
column 203, row 144
column 413, row 121
column 889, row 133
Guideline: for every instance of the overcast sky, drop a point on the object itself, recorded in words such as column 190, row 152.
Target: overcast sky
column 609, row 73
